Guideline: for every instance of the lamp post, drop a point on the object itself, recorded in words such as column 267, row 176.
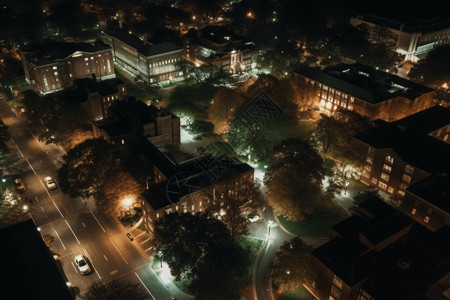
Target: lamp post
column 3, row 185
column 160, row 257
column 346, row 185
column 270, row 222
column 127, row 202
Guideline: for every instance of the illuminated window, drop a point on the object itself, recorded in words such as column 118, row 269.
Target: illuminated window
column 382, row 185
column 406, row 178
column 369, row 159
column 390, row 190
column 426, row 220
column 389, row 159
column 401, row 193
column 338, row 282
column 193, row 207
column 54, row 68
column 374, row 180
column 157, row 215
column 92, row 58
column 335, row 292
column 350, row 107
column 368, row 168
column 365, row 174
column 409, row 169
column 86, row 59
column 384, row 176
column 371, row 151
column 413, row 211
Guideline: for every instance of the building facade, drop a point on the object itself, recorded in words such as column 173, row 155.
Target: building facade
column 414, row 38
column 404, row 152
column 53, row 67
column 220, row 47
column 365, row 90
column 153, row 62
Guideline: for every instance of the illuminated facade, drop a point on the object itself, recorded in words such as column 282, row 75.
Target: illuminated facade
column 413, row 39
column 365, row 90
column 53, row 67
column 220, row 47
column 153, row 62
column 405, row 152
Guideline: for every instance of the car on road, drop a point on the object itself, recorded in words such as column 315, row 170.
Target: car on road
column 19, row 185
column 253, row 218
column 82, row 264
column 50, row 183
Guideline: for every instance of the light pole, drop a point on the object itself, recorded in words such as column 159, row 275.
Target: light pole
column 127, row 202
column 3, row 185
column 346, row 185
column 270, row 225
column 160, row 257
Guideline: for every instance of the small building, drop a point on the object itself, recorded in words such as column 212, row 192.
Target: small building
column 365, row 90
column 412, row 38
column 405, row 152
column 220, row 47
column 30, row 270
column 129, row 119
column 154, row 62
column 54, row 66
column 381, row 254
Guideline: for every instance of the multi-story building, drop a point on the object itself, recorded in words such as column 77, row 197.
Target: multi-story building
column 54, row 66
column 179, row 187
column 404, row 152
column 154, row 62
column 219, row 46
column 381, row 254
column 365, row 90
column 413, row 38
column 128, row 120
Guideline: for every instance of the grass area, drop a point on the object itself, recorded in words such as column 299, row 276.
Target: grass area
column 300, row 294
column 317, row 224
column 252, row 247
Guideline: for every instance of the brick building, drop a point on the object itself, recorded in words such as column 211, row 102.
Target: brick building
column 154, row 62
column 381, row 254
column 365, row 90
column 52, row 67
column 129, row 119
column 404, row 152
column 219, row 46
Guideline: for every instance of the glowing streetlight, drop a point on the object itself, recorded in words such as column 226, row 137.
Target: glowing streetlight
column 25, row 207
column 270, row 222
column 160, row 257
column 346, row 185
column 127, row 202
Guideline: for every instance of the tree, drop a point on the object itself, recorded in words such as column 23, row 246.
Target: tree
column 433, row 69
column 327, row 133
column 293, row 265
column 363, row 197
column 223, row 107
column 85, row 168
column 294, row 179
column 201, row 247
column 231, row 203
column 114, row 290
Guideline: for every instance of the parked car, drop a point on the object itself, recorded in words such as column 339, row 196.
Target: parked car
column 253, row 218
column 82, row 264
column 51, row 184
column 19, row 185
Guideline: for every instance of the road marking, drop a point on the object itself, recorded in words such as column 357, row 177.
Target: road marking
column 90, row 260
column 72, row 232
column 42, row 209
column 36, row 199
column 97, row 221
column 73, row 265
column 36, row 139
column 144, row 285
column 29, row 186
column 41, row 161
column 83, row 224
column 105, row 257
column 118, row 250
column 60, row 239
column 51, row 199
column 17, row 147
column 30, row 166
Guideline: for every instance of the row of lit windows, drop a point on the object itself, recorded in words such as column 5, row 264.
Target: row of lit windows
column 164, row 62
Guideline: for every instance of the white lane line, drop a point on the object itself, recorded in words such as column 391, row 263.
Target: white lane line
column 72, row 232
column 105, row 257
column 17, row 147
column 31, row 166
column 144, row 285
column 36, row 199
column 42, row 209
column 90, row 260
column 97, row 221
column 36, row 139
column 60, row 239
column 118, row 250
column 52, row 199
column 83, row 224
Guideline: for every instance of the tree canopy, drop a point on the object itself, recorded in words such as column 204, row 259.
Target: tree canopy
column 116, row 289
column 434, row 68
column 223, row 107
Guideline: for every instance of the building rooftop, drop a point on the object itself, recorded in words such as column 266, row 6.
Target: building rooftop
column 409, row 138
column 30, row 271
column 49, row 53
column 434, row 189
column 365, row 82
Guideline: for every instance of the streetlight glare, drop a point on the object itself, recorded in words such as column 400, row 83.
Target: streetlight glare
column 127, row 201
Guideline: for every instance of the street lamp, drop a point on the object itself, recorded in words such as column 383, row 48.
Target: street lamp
column 346, row 185
column 128, row 202
column 3, row 184
column 25, row 207
column 160, row 257
column 270, row 225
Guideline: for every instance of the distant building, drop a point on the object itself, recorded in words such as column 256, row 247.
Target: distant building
column 413, row 38
column 407, row 151
column 99, row 95
column 381, row 254
column 53, row 67
column 219, row 46
column 178, row 187
column 154, row 62
column 365, row 90
column 32, row 272
column 129, row 119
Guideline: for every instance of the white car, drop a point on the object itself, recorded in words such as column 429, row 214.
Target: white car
column 50, row 183
column 82, row 264
column 253, row 218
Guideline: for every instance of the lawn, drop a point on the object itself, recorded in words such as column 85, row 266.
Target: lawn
column 252, row 246
column 317, row 224
column 300, row 294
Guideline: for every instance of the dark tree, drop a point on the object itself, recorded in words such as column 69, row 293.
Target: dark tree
column 114, row 290
column 362, row 197
column 434, row 69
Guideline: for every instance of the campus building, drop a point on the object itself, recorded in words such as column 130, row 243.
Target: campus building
column 54, row 66
column 220, row 47
column 180, row 186
column 413, row 38
column 153, row 62
column 380, row 254
column 405, row 152
column 365, row 90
